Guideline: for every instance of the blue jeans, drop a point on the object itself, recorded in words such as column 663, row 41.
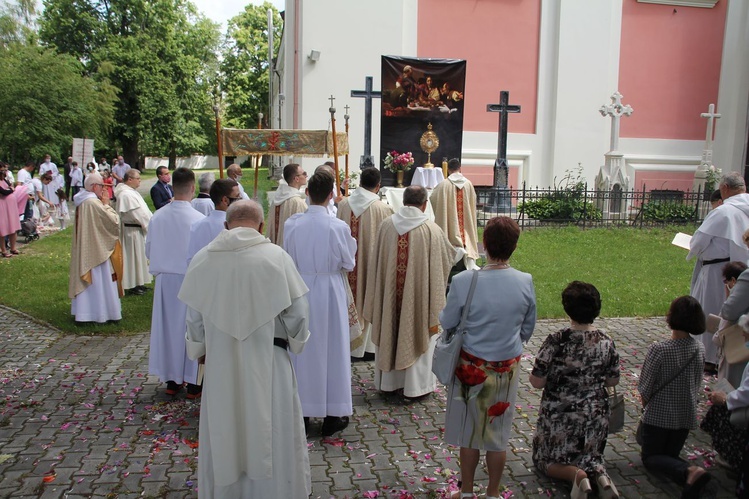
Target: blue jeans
column 660, row 452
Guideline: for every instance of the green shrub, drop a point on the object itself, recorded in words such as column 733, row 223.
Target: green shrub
column 668, row 212
column 566, row 202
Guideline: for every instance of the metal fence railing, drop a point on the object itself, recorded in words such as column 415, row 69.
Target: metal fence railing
column 577, row 205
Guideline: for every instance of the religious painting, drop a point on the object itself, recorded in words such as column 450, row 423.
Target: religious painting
column 422, row 111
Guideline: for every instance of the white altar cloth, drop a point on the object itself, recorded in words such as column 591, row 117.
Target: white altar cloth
column 427, row 177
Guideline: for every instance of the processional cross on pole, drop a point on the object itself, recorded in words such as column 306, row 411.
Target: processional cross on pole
column 368, row 94
column 500, row 164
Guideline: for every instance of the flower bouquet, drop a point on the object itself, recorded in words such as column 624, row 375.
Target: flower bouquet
column 396, row 162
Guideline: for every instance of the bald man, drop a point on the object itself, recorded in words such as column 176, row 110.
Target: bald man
column 234, row 172
column 248, row 374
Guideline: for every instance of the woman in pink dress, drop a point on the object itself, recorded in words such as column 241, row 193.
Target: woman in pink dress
column 9, row 222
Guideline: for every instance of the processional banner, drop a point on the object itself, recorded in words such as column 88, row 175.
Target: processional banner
column 269, row 142
column 417, row 93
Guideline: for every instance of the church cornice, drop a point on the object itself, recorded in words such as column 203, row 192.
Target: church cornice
column 705, row 4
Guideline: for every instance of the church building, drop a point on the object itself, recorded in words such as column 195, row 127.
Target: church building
column 560, row 60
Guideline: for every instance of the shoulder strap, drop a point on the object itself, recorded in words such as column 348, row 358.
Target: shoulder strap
column 673, row 376
column 469, row 298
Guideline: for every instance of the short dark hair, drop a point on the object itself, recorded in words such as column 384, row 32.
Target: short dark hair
column 685, row 314
column 30, row 163
column 501, row 236
column 581, row 302
column 453, row 165
column 160, row 170
column 182, row 178
column 716, row 196
column 220, row 188
column 289, row 172
column 319, row 186
column 74, row 163
column 732, row 270
column 369, row 178
column 414, row 195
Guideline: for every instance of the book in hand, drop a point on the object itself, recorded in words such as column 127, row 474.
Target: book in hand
column 682, row 240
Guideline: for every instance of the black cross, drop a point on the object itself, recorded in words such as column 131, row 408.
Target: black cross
column 367, row 159
column 500, row 165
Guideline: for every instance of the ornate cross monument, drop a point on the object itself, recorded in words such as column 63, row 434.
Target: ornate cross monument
column 367, row 159
column 613, row 170
column 500, row 196
column 707, row 153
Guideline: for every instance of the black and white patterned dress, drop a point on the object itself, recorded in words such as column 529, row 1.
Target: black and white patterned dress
column 573, row 421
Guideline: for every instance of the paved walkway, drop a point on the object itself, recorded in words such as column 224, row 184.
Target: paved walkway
column 79, row 417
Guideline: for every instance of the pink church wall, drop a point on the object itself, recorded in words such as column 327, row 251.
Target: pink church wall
column 663, row 180
column 483, row 176
column 669, row 68
column 499, row 41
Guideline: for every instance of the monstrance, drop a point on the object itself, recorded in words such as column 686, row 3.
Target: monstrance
column 429, row 143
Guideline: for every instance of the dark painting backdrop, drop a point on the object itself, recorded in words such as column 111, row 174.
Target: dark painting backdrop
column 416, row 92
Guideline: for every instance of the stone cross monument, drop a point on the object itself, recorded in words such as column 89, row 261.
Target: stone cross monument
column 707, row 153
column 368, row 94
column 613, row 171
column 500, row 195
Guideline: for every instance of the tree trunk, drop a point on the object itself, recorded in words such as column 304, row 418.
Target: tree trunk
column 172, row 155
column 130, row 151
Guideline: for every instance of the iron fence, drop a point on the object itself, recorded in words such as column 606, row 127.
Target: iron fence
column 578, row 205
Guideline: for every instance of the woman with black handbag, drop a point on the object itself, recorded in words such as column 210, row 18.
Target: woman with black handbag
column 669, row 386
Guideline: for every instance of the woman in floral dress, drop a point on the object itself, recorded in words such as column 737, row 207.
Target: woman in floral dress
column 501, row 317
column 574, row 366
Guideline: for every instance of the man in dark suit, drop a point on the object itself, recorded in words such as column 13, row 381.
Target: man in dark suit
column 161, row 192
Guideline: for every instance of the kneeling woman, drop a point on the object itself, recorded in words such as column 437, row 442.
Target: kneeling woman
column 574, row 367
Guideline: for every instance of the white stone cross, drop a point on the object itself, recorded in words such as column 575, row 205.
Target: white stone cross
column 711, row 116
column 616, row 110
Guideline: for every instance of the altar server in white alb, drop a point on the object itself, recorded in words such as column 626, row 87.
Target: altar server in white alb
column 288, row 200
column 406, row 282
column 454, row 205
column 718, row 240
column 95, row 256
column 252, row 441
column 323, row 250
column 223, row 192
column 203, row 202
column 134, row 219
column 166, row 248
column 363, row 212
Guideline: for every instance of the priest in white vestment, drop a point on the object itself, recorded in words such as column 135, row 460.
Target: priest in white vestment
column 364, row 213
column 716, row 241
column 134, row 219
column 234, row 172
column 49, row 189
column 406, row 282
column 166, row 248
column 252, row 441
column 203, row 202
column 323, row 250
column 95, row 256
column 223, row 192
column 454, row 205
column 288, row 200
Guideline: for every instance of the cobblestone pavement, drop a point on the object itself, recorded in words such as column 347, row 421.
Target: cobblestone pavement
column 80, row 417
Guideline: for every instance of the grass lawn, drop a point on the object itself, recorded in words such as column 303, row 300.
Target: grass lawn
column 637, row 271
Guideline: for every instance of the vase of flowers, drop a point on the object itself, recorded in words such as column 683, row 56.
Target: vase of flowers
column 399, row 163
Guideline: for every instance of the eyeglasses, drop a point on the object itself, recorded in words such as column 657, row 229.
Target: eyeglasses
column 231, row 200
column 303, row 174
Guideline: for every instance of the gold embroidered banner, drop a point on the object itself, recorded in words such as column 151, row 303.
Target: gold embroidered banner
column 281, row 142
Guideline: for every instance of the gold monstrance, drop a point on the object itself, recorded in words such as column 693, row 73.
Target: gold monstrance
column 429, row 143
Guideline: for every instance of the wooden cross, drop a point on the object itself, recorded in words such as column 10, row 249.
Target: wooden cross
column 615, row 110
column 503, row 108
column 368, row 94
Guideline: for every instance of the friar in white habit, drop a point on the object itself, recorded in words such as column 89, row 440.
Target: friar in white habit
column 406, row 282
column 252, row 440
column 323, row 250
column 287, row 200
column 134, row 219
column 718, row 240
column 454, row 205
column 223, row 193
column 95, row 256
column 166, row 248
column 363, row 212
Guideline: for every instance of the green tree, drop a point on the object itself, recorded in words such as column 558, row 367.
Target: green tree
column 17, row 23
column 244, row 65
column 46, row 102
column 161, row 54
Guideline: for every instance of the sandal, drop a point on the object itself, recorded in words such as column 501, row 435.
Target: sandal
column 14, row 252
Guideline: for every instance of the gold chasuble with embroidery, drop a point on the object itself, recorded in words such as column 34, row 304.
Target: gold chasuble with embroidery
column 406, row 282
column 454, row 205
